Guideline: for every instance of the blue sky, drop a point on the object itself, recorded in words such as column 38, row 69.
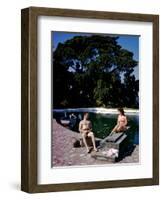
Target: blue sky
column 129, row 42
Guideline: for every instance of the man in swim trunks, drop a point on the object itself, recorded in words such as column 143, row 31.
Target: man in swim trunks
column 121, row 122
column 85, row 128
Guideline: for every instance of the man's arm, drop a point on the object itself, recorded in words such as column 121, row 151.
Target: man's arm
column 90, row 126
column 80, row 126
column 125, row 121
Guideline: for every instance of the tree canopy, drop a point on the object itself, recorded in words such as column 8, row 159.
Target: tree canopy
column 93, row 71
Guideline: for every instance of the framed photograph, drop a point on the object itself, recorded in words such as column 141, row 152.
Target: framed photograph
column 90, row 99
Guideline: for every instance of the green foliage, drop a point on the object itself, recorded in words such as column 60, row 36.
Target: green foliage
column 87, row 71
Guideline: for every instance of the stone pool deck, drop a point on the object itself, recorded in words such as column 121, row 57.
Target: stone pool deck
column 64, row 154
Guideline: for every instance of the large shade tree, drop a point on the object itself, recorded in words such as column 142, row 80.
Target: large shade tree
column 94, row 71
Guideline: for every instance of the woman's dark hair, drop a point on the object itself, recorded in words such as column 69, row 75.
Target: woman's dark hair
column 121, row 111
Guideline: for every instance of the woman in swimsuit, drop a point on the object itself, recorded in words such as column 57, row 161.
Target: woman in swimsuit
column 121, row 121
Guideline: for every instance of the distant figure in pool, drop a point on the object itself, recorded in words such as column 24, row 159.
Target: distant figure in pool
column 85, row 128
column 121, row 121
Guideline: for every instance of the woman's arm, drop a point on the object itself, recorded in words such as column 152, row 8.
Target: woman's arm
column 117, row 121
column 116, row 126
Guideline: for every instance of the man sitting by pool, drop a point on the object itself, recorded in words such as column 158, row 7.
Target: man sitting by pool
column 85, row 128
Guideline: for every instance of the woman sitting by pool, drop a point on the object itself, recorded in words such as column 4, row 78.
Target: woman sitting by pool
column 121, row 122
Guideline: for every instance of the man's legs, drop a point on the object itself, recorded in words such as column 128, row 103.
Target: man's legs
column 84, row 135
column 91, row 134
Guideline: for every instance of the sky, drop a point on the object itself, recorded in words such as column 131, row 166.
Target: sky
column 129, row 42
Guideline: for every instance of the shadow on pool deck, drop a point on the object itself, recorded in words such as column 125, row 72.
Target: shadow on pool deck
column 128, row 152
column 64, row 154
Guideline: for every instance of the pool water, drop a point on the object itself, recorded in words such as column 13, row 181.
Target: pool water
column 103, row 124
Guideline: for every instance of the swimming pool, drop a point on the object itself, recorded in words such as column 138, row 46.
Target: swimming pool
column 103, row 123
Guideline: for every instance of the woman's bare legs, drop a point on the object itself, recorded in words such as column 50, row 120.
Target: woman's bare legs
column 118, row 128
column 121, row 129
column 115, row 129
